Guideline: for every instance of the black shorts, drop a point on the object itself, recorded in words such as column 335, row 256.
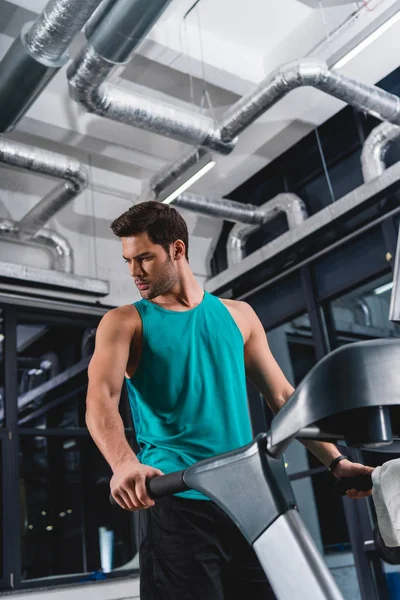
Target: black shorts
column 190, row 550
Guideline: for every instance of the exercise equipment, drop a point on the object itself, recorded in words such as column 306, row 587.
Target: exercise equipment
column 351, row 395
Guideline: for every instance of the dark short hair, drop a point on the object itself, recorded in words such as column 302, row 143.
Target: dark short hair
column 162, row 223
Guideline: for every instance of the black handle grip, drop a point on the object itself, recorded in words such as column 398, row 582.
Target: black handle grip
column 362, row 483
column 166, row 485
column 163, row 485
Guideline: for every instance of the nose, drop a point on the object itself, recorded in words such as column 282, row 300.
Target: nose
column 137, row 269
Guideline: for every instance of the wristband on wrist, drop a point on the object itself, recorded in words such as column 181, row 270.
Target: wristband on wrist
column 336, row 461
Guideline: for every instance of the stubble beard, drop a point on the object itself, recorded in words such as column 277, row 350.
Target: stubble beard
column 166, row 281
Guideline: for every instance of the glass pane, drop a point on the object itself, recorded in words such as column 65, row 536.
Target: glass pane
column 1, row 510
column 53, row 356
column 334, row 532
column 1, row 370
column 293, row 348
column 301, row 347
column 69, row 527
column 363, row 313
column 320, row 507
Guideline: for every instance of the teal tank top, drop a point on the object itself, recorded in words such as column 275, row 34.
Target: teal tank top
column 188, row 395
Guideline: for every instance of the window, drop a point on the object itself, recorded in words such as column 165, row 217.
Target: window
column 2, row 367
column 68, row 524
column 363, row 313
column 52, row 357
column 320, row 508
column 69, row 530
column 293, row 348
column 1, row 510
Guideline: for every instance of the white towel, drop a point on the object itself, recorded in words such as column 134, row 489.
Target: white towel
column 386, row 497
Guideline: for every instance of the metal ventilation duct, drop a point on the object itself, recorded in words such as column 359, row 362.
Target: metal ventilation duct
column 375, row 148
column 113, row 33
column 228, row 210
column 73, row 174
column 46, row 239
column 37, row 54
column 30, row 231
column 314, row 73
column 248, row 218
column 361, row 197
column 301, row 73
column 289, row 204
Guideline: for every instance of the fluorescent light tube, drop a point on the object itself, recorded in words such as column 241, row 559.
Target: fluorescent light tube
column 173, row 195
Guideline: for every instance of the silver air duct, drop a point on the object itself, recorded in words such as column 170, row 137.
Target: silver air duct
column 290, row 204
column 113, row 33
column 32, row 159
column 46, row 239
column 30, row 231
column 37, row 54
column 314, row 73
column 248, row 218
column 375, row 148
column 301, row 73
column 228, row 210
column 362, row 197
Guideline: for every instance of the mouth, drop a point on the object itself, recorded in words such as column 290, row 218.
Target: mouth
column 142, row 285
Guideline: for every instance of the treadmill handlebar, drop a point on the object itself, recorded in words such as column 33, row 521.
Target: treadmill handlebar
column 163, row 485
column 361, row 483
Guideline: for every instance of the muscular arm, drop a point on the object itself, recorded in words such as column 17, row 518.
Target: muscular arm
column 263, row 370
column 106, row 376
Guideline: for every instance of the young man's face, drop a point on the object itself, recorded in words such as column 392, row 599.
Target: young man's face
column 152, row 269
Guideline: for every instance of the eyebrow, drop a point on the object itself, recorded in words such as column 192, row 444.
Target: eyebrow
column 142, row 255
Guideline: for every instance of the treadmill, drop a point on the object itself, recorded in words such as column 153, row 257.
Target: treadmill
column 351, row 396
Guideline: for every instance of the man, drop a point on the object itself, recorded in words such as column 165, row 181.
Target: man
column 184, row 355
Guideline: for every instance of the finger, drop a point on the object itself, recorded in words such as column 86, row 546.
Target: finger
column 119, row 500
column 130, row 499
column 355, row 494
column 130, row 492
column 142, row 494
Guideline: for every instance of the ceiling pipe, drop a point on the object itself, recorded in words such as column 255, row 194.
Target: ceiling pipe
column 314, row 73
column 228, row 210
column 37, row 54
column 113, row 33
column 374, row 149
column 301, row 73
column 289, row 204
column 36, row 160
column 248, row 218
column 55, row 244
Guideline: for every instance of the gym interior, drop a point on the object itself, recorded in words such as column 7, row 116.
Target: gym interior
column 274, row 128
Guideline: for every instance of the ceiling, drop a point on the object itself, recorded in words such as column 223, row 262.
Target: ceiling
column 205, row 59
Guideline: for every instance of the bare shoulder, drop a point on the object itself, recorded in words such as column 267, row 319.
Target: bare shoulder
column 243, row 315
column 123, row 317
column 240, row 307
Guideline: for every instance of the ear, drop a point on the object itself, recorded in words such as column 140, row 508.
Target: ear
column 179, row 250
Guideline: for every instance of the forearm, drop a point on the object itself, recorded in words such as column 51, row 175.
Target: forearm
column 324, row 451
column 107, row 430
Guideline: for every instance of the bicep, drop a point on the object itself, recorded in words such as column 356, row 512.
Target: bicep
column 261, row 366
column 108, row 364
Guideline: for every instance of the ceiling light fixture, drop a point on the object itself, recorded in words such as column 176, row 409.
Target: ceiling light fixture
column 383, row 288
column 189, row 182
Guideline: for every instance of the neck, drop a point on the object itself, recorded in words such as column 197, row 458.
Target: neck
column 186, row 292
